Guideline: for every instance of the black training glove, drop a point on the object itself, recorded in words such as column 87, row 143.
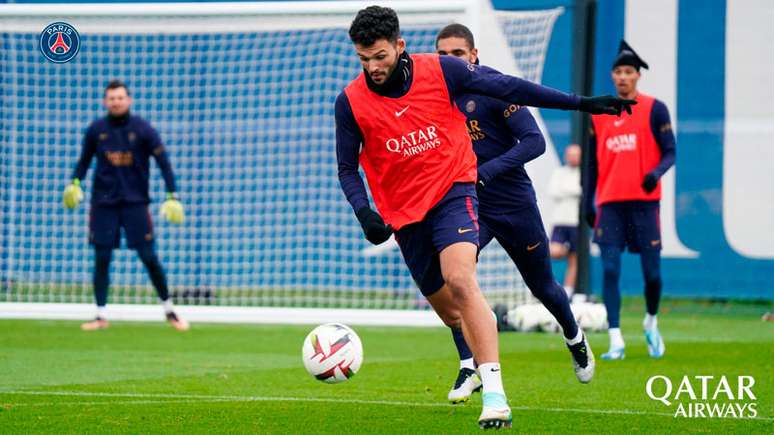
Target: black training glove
column 589, row 213
column 376, row 231
column 650, row 182
column 480, row 184
column 606, row 104
column 591, row 218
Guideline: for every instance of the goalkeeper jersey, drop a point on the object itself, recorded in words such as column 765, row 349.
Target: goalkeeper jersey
column 123, row 147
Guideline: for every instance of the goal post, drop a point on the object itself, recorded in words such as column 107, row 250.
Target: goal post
column 242, row 95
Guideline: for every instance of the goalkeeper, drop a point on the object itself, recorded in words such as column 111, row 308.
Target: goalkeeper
column 123, row 144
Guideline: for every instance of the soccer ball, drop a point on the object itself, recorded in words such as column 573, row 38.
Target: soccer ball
column 332, row 353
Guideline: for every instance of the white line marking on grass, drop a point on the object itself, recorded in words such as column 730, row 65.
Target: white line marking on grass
column 106, row 402
column 209, row 398
column 203, row 398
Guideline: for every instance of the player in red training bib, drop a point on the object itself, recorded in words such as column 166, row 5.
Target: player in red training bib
column 398, row 120
column 628, row 156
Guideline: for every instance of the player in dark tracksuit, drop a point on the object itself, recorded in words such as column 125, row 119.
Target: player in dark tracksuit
column 505, row 136
column 123, row 144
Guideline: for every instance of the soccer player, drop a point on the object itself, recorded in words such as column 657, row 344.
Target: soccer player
column 565, row 189
column 398, row 120
column 123, row 144
column 505, row 136
column 628, row 156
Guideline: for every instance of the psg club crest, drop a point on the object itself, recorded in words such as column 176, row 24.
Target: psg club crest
column 59, row 42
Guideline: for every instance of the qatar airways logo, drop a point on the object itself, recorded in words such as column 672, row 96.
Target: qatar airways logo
column 622, row 142
column 705, row 396
column 415, row 142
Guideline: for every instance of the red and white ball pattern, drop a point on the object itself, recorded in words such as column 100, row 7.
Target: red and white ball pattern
column 332, row 353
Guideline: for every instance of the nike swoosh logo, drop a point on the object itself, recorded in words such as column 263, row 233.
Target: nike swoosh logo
column 533, row 247
column 619, row 122
column 494, row 370
column 402, row 111
column 464, row 230
column 655, row 242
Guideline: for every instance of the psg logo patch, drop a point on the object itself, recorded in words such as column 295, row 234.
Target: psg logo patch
column 59, row 42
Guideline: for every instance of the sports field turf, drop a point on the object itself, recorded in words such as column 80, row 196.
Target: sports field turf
column 148, row 378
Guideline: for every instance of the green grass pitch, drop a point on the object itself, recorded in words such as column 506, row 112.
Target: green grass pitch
column 148, row 378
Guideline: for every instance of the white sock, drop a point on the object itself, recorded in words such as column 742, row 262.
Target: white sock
column 102, row 312
column 490, row 377
column 168, row 307
column 616, row 339
column 578, row 338
column 650, row 321
column 569, row 291
column 467, row 364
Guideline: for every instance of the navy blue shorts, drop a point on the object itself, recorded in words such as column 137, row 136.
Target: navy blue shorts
column 566, row 235
column 632, row 224
column 523, row 237
column 105, row 223
column 454, row 219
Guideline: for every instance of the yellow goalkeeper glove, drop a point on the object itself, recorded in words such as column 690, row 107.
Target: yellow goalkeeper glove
column 73, row 194
column 172, row 209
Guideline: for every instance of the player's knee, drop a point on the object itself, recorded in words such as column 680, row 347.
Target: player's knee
column 547, row 290
column 147, row 255
column 102, row 256
column 451, row 318
column 461, row 283
column 557, row 251
column 611, row 269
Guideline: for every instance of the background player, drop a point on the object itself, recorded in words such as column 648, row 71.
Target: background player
column 123, row 144
column 505, row 137
column 565, row 189
column 418, row 158
column 628, row 156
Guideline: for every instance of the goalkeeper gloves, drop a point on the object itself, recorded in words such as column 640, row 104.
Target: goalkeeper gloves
column 650, row 182
column 606, row 104
column 73, row 194
column 172, row 209
column 376, row 231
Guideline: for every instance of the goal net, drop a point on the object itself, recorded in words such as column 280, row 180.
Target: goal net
column 242, row 96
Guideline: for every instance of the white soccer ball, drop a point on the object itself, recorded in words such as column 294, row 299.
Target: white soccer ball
column 332, row 353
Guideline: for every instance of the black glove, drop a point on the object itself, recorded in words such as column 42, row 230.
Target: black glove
column 650, row 182
column 376, row 231
column 606, row 104
column 591, row 218
column 589, row 212
column 480, row 184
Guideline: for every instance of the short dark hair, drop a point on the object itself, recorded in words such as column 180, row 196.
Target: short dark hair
column 374, row 23
column 456, row 31
column 115, row 84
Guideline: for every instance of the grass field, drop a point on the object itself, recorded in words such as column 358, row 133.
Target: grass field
column 148, row 378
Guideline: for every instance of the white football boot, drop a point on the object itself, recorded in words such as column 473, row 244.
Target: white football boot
column 466, row 384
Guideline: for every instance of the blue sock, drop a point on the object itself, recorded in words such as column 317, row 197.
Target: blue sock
column 651, row 272
column 148, row 256
column 462, row 347
column 611, row 266
column 102, row 257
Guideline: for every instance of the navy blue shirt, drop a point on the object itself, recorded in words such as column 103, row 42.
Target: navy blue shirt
column 461, row 78
column 505, row 136
column 660, row 126
column 123, row 147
